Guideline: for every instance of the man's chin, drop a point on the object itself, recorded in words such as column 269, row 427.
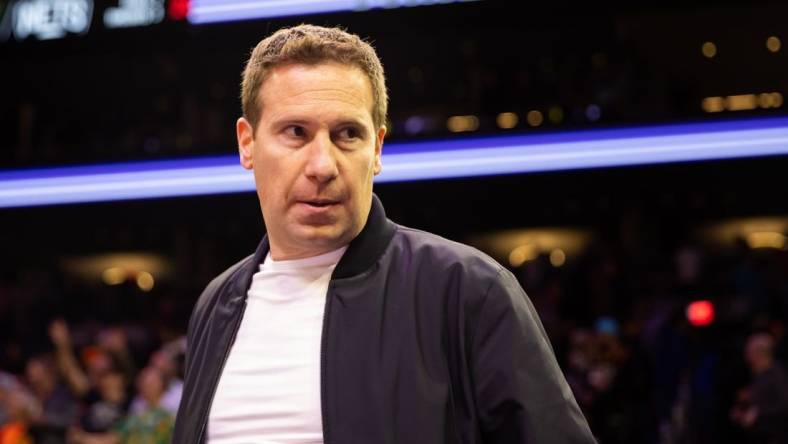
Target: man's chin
column 324, row 236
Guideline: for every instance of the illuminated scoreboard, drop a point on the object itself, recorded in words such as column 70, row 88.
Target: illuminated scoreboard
column 54, row 19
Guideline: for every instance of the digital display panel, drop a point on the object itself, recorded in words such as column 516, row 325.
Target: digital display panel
column 402, row 162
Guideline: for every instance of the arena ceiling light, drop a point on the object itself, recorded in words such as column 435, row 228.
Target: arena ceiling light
column 452, row 158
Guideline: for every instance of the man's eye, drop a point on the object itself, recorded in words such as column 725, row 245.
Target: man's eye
column 295, row 131
column 349, row 133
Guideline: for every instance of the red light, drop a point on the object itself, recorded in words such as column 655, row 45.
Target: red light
column 700, row 313
column 178, row 9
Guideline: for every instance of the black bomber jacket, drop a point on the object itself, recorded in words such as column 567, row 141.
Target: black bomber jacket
column 424, row 341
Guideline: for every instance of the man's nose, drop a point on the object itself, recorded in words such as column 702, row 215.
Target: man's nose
column 321, row 164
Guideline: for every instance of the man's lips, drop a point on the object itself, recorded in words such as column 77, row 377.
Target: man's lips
column 319, row 203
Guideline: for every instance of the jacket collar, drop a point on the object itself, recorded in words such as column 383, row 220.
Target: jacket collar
column 361, row 254
column 367, row 247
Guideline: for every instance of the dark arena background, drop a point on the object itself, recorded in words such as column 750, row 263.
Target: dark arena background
column 628, row 162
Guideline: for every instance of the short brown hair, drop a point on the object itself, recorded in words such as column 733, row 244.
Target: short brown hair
column 309, row 44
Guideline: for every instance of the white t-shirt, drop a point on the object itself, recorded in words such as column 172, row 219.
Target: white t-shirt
column 269, row 390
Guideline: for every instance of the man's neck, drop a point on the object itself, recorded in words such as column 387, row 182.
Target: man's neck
column 278, row 254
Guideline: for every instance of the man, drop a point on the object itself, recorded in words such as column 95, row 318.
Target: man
column 763, row 406
column 344, row 327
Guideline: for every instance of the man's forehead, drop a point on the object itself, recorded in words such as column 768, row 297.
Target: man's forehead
column 300, row 75
column 333, row 84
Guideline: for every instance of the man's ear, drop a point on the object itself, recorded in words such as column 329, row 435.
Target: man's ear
column 245, row 134
column 379, row 149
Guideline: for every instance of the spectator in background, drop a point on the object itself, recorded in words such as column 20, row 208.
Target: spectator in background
column 18, row 409
column 112, row 352
column 152, row 425
column 22, row 411
column 595, row 359
column 112, row 341
column 763, row 406
column 108, row 411
column 59, row 409
column 165, row 362
column 8, row 382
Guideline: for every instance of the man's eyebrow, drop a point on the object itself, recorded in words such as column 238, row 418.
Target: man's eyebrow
column 349, row 121
column 295, row 120
column 286, row 121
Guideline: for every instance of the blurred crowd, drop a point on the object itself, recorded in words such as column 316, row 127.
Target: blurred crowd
column 639, row 368
column 92, row 392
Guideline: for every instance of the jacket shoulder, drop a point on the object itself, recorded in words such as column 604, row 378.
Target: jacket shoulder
column 470, row 275
column 214, row 288
column 446, row 255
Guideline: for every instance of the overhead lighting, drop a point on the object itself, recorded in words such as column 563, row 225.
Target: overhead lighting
column 742, row 102
column 766, row 239
column 114, row 276
column 555, row 114
column 770, row 100
column 522, row 245
column 593, row 112
column 777, row 100
column 459, row 124
column 145, row 281
column 773, row 44
column 765, row 100
column 457, row 157
column 713, row 104
column 756, row 232
column 709, row 49
column 414, row 124
column 534, row 118
column 557, row 257
column 522, row 254
column 116, row 268
column 212, row 11
column 507, row 120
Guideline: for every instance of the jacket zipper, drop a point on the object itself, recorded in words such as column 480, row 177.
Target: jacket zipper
column 236, row 327
column 323, row 345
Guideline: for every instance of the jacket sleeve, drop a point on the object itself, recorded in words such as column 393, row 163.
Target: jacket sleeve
column 521, row 393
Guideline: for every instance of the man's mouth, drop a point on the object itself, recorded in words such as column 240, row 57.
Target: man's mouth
column 319, row 203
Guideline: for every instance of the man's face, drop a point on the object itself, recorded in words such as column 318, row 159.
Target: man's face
column 314, row 155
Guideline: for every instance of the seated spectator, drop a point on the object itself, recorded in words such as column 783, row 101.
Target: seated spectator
column 762, row 407
column 108, row 411
column 164, row 361
column 153, row 425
